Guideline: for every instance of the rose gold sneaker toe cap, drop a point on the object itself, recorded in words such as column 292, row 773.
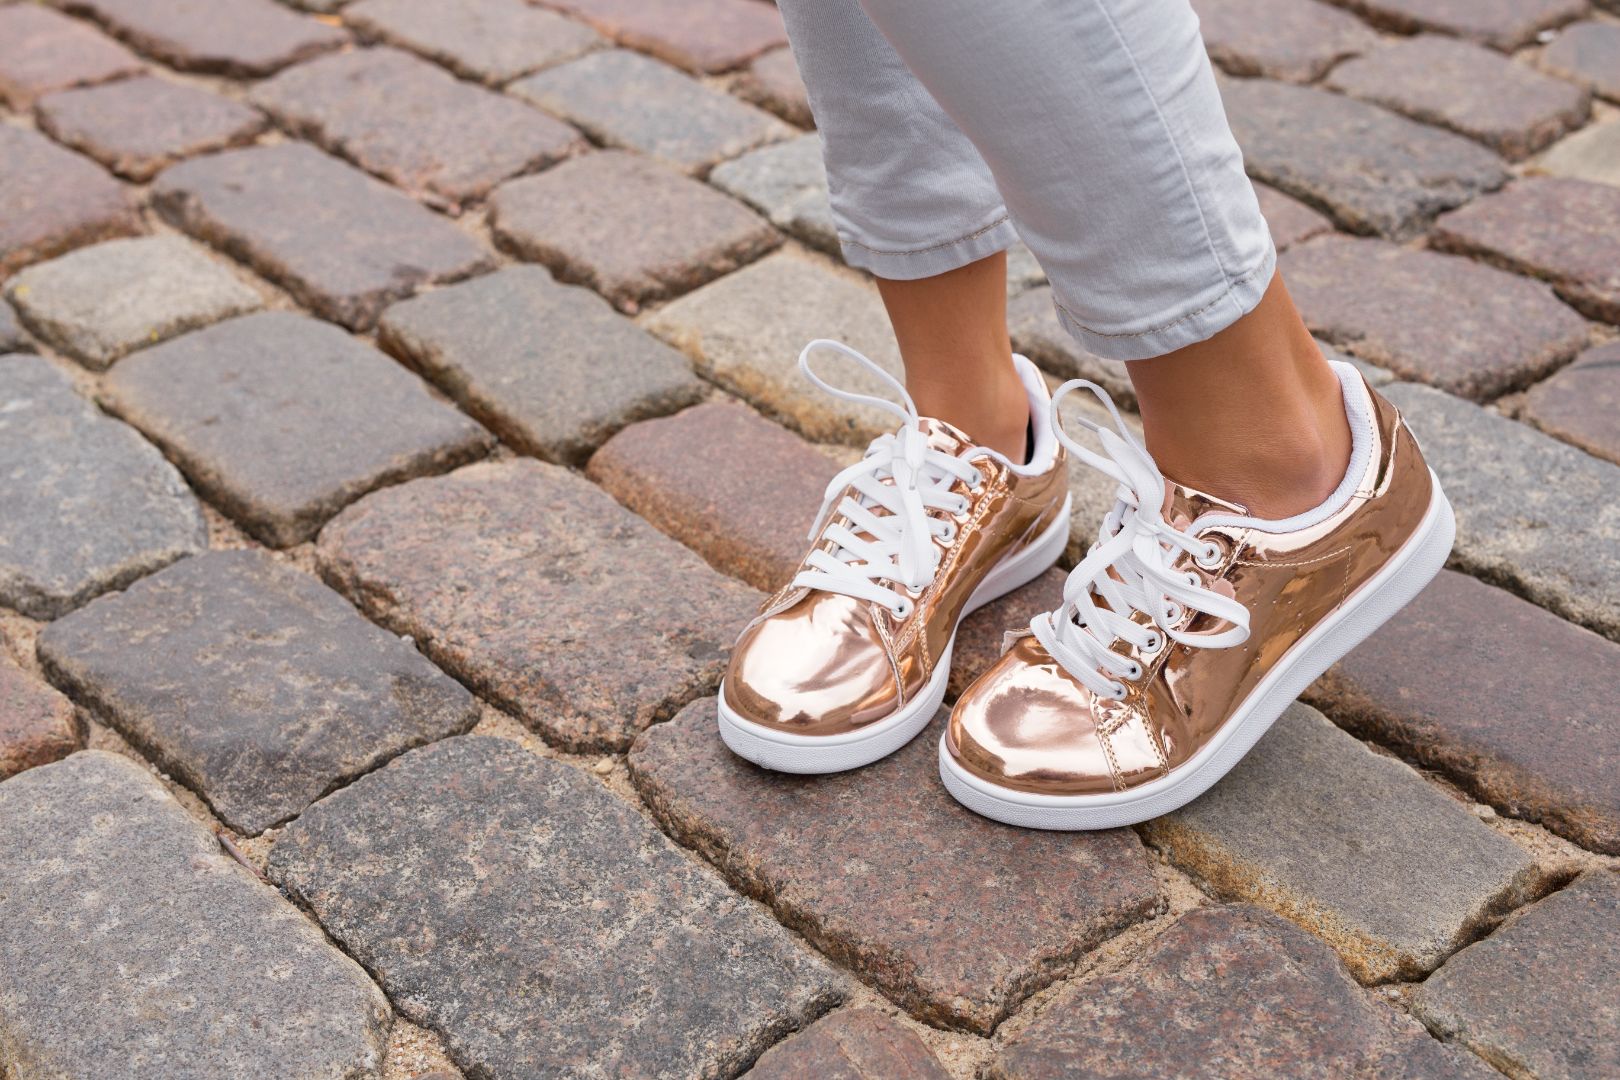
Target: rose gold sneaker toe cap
column 829, row 686
column 1027, row 726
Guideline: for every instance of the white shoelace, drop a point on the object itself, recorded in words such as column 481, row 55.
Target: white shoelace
column 900, row 475
column 1131, row 568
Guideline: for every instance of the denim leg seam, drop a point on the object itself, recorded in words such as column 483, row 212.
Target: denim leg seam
column 1175, row 145
column 1232, row 284
column 996, row 224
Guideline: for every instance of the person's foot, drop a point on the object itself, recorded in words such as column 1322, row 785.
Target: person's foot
column 1188, row 628
column 849, row 661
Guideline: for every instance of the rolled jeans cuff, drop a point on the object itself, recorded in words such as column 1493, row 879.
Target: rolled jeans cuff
column 908, row 265
column 1236, row 299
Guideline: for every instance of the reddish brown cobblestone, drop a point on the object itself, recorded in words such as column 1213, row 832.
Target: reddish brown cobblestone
column 1209, row 999
column 1565, row 231
column 1541, row 996
column 343, row 243
column 37, row 724
column 1516, row 717
column 631, row 229
column 243, row 38
column 1295, row 40
column 852, row 1044
column 736, row 488
column 414, row 124
column 493, row 41
column 1467, row 328
column 773, row 82
column 953, row 916
column 699, row 35
column 1587, row 53
column 980, row 638
column 55, row 200
column 541, row 593
column 1509, row 106
column 1502, row 24
column 624, row 99
column 135, row 127
column 42, row 50
column 1581, row 403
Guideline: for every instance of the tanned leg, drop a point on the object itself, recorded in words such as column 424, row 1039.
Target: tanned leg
column 1253, row 415
column 952, row 330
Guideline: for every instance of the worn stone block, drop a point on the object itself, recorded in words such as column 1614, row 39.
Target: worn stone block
column 1541, row 996
column 1514, row 491
column 629, row 228
column 1468, row 328
column 1291, row 221
column 881, row 870
column 745, row 332
column 788, row 184
column 1468, row 88
column 1032, row 322
column 773, row 82
column 1295, row 40
column 251, row 683
column 493, row 41
column 1563, row 231
column 549, row 368
column 42, row 50
column 12, row 338
column 1210, row 998
column 980, row 637
column 341, row 242
column 136, row 127
column 1581, row 403
column 537, row 590
column 239, row 38
column 131, row 944
column 568, row 937
column 414, row 124
column 1371, row 170
column 37, row 724
column 699, row 35
column 100, row 302
column 55, row 200
column 1467, row 709
column 737, row 489
column 627, row 100
column 90, row 505
column 1355, row 847
column 1586, row 53
column 1501, row 24
column 282, row 421
column 851, row 1044
column 1593, row 153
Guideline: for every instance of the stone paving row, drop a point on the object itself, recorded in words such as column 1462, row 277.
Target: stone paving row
column 651, row 155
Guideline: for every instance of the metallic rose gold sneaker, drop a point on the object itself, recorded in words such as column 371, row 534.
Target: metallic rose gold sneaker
column 1188, row 628
column 849, row 661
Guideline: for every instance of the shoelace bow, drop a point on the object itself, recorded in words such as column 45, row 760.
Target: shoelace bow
column 1130, row 569
column 900, row 475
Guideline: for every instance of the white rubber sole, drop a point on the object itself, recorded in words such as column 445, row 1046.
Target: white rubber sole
column 810, row 754
column 1392, row 588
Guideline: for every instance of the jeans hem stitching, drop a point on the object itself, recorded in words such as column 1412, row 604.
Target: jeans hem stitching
column 996, row 224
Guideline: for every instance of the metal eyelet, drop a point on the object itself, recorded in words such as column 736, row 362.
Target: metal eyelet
column 1119, row 691
column 1135, row 671
column 903, row 609
column 1153, row 643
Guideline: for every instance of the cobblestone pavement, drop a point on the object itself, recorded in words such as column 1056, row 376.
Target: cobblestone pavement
column 398, row 417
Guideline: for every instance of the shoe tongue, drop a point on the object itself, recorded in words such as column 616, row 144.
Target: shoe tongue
column 1184, row 505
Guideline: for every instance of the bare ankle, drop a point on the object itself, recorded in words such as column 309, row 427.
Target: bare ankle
column 993, row 412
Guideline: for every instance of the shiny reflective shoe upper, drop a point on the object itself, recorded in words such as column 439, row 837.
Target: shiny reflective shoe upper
column 1179, row 611
column 904, row 538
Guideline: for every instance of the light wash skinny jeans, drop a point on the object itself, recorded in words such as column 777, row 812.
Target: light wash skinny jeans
column 1090, row 128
